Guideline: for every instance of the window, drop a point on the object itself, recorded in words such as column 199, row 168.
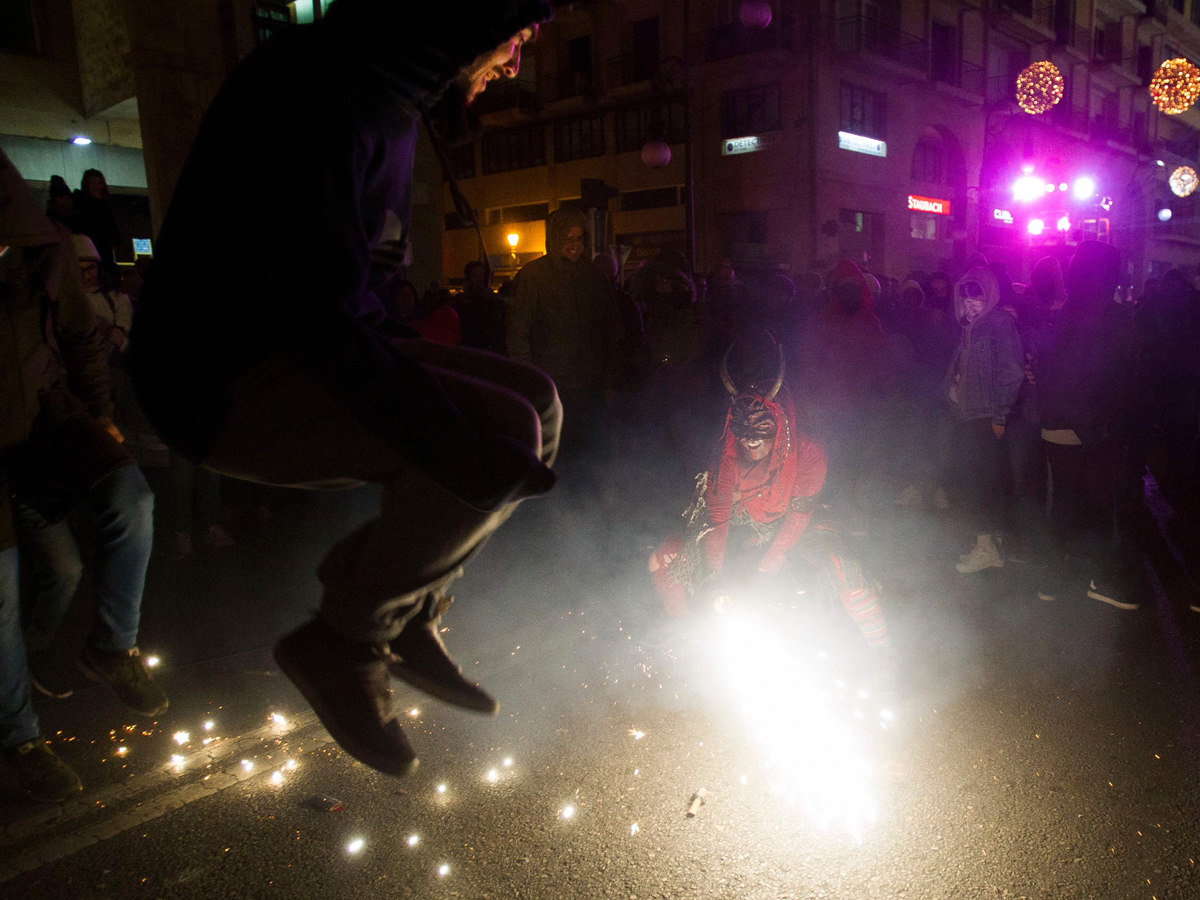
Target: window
column 924, row 227
column 579, row 139
column 943, row 57
column 508, row 150
column 750, row 111
column 863, row 111
column 927, row 161
column 635, row 126
column 654, row 198
column 18, row 29
column 461, row 160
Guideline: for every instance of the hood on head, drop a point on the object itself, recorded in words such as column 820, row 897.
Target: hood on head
column 84, row 248
column 911, row 285
column 560, row 222
column 22, row 221
column 849, row 271
column 425, row 45
column 991, row 290
column 1046, row 279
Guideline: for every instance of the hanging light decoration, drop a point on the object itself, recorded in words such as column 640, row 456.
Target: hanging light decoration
column 755, row 13
column 1175, row 86
column 656, row 154
column 1183, row 181
column 1039, row 87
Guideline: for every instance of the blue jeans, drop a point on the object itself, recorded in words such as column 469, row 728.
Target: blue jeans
column 18, row 721
column 121, row 510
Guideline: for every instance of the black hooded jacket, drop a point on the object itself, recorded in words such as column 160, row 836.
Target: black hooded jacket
column 293, row 209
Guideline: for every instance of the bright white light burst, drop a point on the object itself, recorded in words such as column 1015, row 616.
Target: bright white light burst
column 413, row 840
column 290, row 765
column 634, row 829
column 247, row 765
column 493, row 776
column 355, row 845
column 814, row 757
column 208, row 726
column 441, row 789
column 276, row 778
column 443, row 870
column 278, row 719
column 568, row 812
column 507, row 762
column 181, row 737
column 152, row 661
column 176, row 759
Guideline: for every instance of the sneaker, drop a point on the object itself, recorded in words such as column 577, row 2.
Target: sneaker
column 984, row 555
column 126, row 674
column 47, row 676
column 346, row 683
column 910, row 498
column 43, row 776
column 940, row 500
column 421, row 659
column 1104, row 593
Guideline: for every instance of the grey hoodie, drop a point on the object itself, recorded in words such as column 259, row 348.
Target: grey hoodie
column 986, row 370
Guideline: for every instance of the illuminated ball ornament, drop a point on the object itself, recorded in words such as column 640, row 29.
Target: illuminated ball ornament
column 755, row 13
column 1175, row 86
column 1039, row 87
column 1183, row 181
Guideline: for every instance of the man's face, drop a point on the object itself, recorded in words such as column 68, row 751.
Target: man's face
column 573, row 244
column 754, row 428
column 89, row 274
column 503, row 62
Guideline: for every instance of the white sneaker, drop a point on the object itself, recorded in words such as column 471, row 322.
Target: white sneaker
column 984, row 555
column 940, row 500
column 910, row 497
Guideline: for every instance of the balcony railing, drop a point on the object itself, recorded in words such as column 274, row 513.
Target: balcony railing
column 505, row 95
column 959, row 73
column 859, row 34
column 565, row 85
column 1040, row 12
column 736, row 39
column 631, row 68
column 1076, row 37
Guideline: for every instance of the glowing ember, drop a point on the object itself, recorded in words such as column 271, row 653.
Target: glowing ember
column 121, row 751
column 443, row 870
column 567, row 812
column 181, row 737
column 152, row 661
column 278, row 719
column 413, row 840
column 355, row 845
column 414, row 712
column 815, row 758
column 277, row 777
column 637, row 735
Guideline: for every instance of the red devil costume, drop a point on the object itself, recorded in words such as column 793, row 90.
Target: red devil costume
column 752, row 510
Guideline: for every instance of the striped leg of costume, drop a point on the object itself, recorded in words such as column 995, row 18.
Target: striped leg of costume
column 825, row 550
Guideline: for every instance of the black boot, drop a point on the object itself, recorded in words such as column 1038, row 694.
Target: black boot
column 420, row 658
column 346, row 683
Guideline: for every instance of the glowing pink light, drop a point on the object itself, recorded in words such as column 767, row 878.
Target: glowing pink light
column 1036, row 227
column 1028, row 188
column 1063, row 224
column 1085, row 188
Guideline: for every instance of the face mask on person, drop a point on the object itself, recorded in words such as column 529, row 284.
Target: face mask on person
column 971, row 295
column 754, row 428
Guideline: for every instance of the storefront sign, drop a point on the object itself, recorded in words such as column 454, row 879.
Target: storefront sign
column 751, row 144
column 859, row 144
column 1002, row 215
column 929, row 205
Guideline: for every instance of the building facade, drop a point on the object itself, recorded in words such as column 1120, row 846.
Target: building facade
column 884, row 131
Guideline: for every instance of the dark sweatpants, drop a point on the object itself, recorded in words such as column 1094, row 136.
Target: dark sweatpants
column 1084, row 480
column 282, row 428
column 979, row 456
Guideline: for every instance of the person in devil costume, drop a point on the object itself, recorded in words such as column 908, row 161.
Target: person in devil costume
column 753, row 511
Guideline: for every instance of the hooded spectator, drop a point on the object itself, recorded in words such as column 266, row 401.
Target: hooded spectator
column 94, row 217
column 61, row 207
column 982, row 382
column 1083, row 396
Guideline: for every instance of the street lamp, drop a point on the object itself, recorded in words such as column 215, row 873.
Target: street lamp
column 513, row 240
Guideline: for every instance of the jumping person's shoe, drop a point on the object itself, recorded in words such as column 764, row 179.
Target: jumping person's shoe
column 420, row 658
column 126, row 674
column 47, row 676
column 1105, row 593
column 984, row 555
column 346, row 683
column 42, row 775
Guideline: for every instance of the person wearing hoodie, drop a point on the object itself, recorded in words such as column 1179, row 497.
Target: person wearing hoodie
column 563, row 319
column 1083, row 402
column 59, row 450
column 982, row 383
column 289, row 378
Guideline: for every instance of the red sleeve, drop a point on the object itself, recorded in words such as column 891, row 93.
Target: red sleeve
column 810, row 478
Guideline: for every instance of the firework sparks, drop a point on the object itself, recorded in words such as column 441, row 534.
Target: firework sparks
column 121, row 751
column 637, row 735
column 277, row 778
column 443, row 870
column 247, row 765
column 413, row 840
column 277, row 719
column 493, row 775
column 290, row 765
column 152, row 661
column 508, row 761
column 355, row 846
column 814, row 757
column 441, row 788
column 176, row 759
column 208, row 726
column 181, row 737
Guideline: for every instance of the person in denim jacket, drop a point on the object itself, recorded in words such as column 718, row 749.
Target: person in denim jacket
column 982, row 383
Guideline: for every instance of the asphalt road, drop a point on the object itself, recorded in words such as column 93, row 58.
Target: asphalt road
column 1040, row 750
